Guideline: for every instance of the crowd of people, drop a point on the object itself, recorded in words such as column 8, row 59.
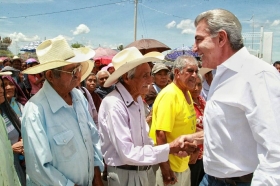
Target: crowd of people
column 67, row 120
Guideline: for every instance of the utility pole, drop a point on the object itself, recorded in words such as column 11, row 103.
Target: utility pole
column 135, row 19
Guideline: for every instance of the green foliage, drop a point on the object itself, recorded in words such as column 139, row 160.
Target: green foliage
column 120, row 48
column 5, row 43
column 77, row 45
column 6, row 53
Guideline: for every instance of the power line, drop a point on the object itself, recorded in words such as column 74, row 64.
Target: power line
column 57, row 12
column 162, row 12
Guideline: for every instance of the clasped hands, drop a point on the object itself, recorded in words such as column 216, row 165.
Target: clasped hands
column 185, row 145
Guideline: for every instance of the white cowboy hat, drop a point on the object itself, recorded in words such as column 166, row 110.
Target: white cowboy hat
column 128, row 59
column 56, row 52
column 202, row 71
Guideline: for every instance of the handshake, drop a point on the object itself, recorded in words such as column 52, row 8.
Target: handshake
column 185, row 145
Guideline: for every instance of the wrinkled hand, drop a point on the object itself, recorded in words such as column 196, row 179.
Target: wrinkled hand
column 18, row 147
column 181, row 147
column 168, row 175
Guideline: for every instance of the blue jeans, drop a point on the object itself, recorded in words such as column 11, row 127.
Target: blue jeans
column 211, row 181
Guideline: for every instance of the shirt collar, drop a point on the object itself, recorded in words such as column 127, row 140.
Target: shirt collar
column 126, row 96
column 234, row 63
column 54, row 99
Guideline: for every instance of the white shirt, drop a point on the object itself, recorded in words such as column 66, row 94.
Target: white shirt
column 124, row 131
column 205, row 89
column 242, row 120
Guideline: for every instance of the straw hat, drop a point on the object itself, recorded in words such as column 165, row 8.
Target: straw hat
column 202, row 71
column 5, row 73
column 56, row 52
column 128, row 59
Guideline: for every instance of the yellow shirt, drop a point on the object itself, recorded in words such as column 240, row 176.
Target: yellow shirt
column 172, row 114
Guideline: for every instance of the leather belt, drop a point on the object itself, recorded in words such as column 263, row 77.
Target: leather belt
column 135, row 168
column 234, row 180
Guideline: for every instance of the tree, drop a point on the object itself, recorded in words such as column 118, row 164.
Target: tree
column 5, row 43
column 77, row 45
column 120, row 47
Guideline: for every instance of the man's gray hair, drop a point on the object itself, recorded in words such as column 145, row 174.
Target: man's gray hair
column 55, row 72
column 130, row 75
column 99, row 72
column 182, row 61
column 219, row 19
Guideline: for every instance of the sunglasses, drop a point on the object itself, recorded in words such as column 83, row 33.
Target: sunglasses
column 73, row 72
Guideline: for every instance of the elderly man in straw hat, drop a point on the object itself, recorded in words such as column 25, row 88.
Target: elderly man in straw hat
column 60, row 137
column 127, row 149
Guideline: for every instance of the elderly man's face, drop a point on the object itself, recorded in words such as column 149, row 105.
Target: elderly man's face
column 141, row 80
column 102, row 77
column 187, row 77
column 66, row 82
column 207, row 46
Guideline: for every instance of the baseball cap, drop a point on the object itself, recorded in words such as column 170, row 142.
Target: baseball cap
column 158, row 67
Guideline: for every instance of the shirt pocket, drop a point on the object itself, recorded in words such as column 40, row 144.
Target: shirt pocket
column 65, row 145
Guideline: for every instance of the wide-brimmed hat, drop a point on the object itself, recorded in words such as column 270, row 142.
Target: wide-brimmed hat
column 16, row 58
column 5, row 73
column 202, row 71
column 56, row 52
column 9, row 69
column 128, row 59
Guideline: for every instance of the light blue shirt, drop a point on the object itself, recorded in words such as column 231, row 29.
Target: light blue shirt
column 60, row 140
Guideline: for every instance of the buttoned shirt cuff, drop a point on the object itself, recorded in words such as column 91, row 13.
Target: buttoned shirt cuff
column 162, row 152
column 70, row 183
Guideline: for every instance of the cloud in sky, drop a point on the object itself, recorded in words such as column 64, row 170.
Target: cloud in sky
column 171, row 24
column 21, row 37
column 81, row 29
column 186, row 26
column 276, row 22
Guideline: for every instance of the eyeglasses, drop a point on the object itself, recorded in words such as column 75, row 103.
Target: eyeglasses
column 73, row 72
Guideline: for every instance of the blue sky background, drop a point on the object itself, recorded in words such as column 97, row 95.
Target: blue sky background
column 110, row 23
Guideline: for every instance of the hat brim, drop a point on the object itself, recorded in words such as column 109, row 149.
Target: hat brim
column 82, row 55
column 113, row 78
column 5, row 73
column 203, row 71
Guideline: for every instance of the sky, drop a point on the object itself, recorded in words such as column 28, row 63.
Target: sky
column 110, row 23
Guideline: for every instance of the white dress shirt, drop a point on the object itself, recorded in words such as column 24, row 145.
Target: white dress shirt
column 124, row 131
column 205, row 89
column 242, row 120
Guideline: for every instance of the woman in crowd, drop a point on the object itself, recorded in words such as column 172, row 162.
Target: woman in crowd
column 196, row 162
column 90, row 84
column 7, row 169
column 13, row 126
column 14, row 95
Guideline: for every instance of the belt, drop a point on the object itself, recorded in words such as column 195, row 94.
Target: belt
column 135, row 168
column 234, row 180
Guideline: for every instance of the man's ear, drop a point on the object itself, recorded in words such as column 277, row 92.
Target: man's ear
column 49, row 76
column 176, row 71
column 223, row 38
column 125, row 78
